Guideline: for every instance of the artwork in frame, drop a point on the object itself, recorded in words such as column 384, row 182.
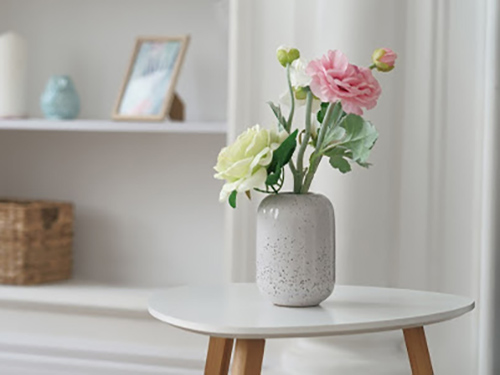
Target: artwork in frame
column 148, row 90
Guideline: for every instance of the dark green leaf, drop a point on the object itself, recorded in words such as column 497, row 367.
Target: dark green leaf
column 337, row 113
column 283, row 154
column 277, row 112
column 272, row 179
column 232, row 199
column 322, row 112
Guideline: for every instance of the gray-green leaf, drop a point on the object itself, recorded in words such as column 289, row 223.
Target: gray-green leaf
column 360, row 137
column 340, row 163
column 357, row 136
column 282, row 124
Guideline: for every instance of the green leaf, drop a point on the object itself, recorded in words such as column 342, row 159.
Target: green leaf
column 338, row 112
column 322, row 112
column 232, row 199
column 354, row 135
column 272, row 179
column 333, row 135
column 340, row 163
column 282, row 123
column 283, row 154
column 360, row 137
column 332, row 130
column 364, row 165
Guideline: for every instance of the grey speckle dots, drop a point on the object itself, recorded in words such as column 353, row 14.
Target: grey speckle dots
column 296, row 249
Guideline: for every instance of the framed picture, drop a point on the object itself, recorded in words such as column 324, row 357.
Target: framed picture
column 148, row 91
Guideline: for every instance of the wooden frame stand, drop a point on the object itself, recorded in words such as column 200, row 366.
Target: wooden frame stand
column 176, row 111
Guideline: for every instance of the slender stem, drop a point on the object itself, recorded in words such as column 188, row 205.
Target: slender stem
column 316, row 155
column 292, row 99
column 262, row 191
column 296, row 176
column 305, row 141
column 326, row 120
column 310, row 174
column 281, row 180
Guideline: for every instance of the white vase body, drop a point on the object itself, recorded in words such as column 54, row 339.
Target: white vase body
column 296, row 249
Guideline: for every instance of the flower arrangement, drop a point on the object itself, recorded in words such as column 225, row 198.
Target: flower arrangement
column 335, row 94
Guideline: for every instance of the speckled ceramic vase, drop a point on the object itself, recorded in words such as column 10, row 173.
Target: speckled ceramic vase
column 296, row 249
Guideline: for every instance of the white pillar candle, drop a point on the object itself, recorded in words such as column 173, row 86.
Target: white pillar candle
column 13, row 53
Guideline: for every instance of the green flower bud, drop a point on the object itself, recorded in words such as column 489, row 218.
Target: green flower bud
column 300, row 93
column 282, row 56
column 293, row 55
column 287, row 55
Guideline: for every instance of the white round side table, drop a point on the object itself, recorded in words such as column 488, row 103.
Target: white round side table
column 238, row 312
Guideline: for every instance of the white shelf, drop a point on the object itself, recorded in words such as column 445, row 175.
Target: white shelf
column 78, row 297
column 108, row 126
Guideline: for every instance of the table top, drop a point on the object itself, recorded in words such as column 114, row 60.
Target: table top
column 240, row 311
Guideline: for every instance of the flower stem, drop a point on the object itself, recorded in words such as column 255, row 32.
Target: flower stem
column 292, row 98
column 305, row 141
column 297, row 179
column 326, row 121
column 313, row 167
column 316, row 155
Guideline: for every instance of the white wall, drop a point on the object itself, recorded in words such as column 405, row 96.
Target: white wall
column 92, row 40
column 147, row 210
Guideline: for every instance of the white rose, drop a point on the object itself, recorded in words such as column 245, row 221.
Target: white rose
column 298, row 74
column 244, row 163
column 285, row 100
column 299, row 79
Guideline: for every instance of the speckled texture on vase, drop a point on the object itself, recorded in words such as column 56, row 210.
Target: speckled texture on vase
column 296, row 249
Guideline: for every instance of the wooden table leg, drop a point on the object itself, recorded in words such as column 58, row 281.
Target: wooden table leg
column 218, row 356
column 418, row 352
column 248, row 357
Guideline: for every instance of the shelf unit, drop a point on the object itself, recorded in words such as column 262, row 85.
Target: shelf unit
column 108, row 126
column 146, row 203
column 141, row 181
column 81, row 297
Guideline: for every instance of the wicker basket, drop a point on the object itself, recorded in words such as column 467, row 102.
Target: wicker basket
column 36, row 238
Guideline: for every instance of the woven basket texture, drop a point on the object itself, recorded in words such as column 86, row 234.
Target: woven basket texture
column 36, row 239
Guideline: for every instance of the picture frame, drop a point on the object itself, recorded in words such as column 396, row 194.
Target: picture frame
column 148, row 89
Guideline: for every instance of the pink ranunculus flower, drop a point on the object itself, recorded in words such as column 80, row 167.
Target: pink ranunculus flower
column 384, row 59
column 334, row 79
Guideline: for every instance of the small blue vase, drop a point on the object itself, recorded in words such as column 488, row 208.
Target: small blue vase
column 60, row 101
